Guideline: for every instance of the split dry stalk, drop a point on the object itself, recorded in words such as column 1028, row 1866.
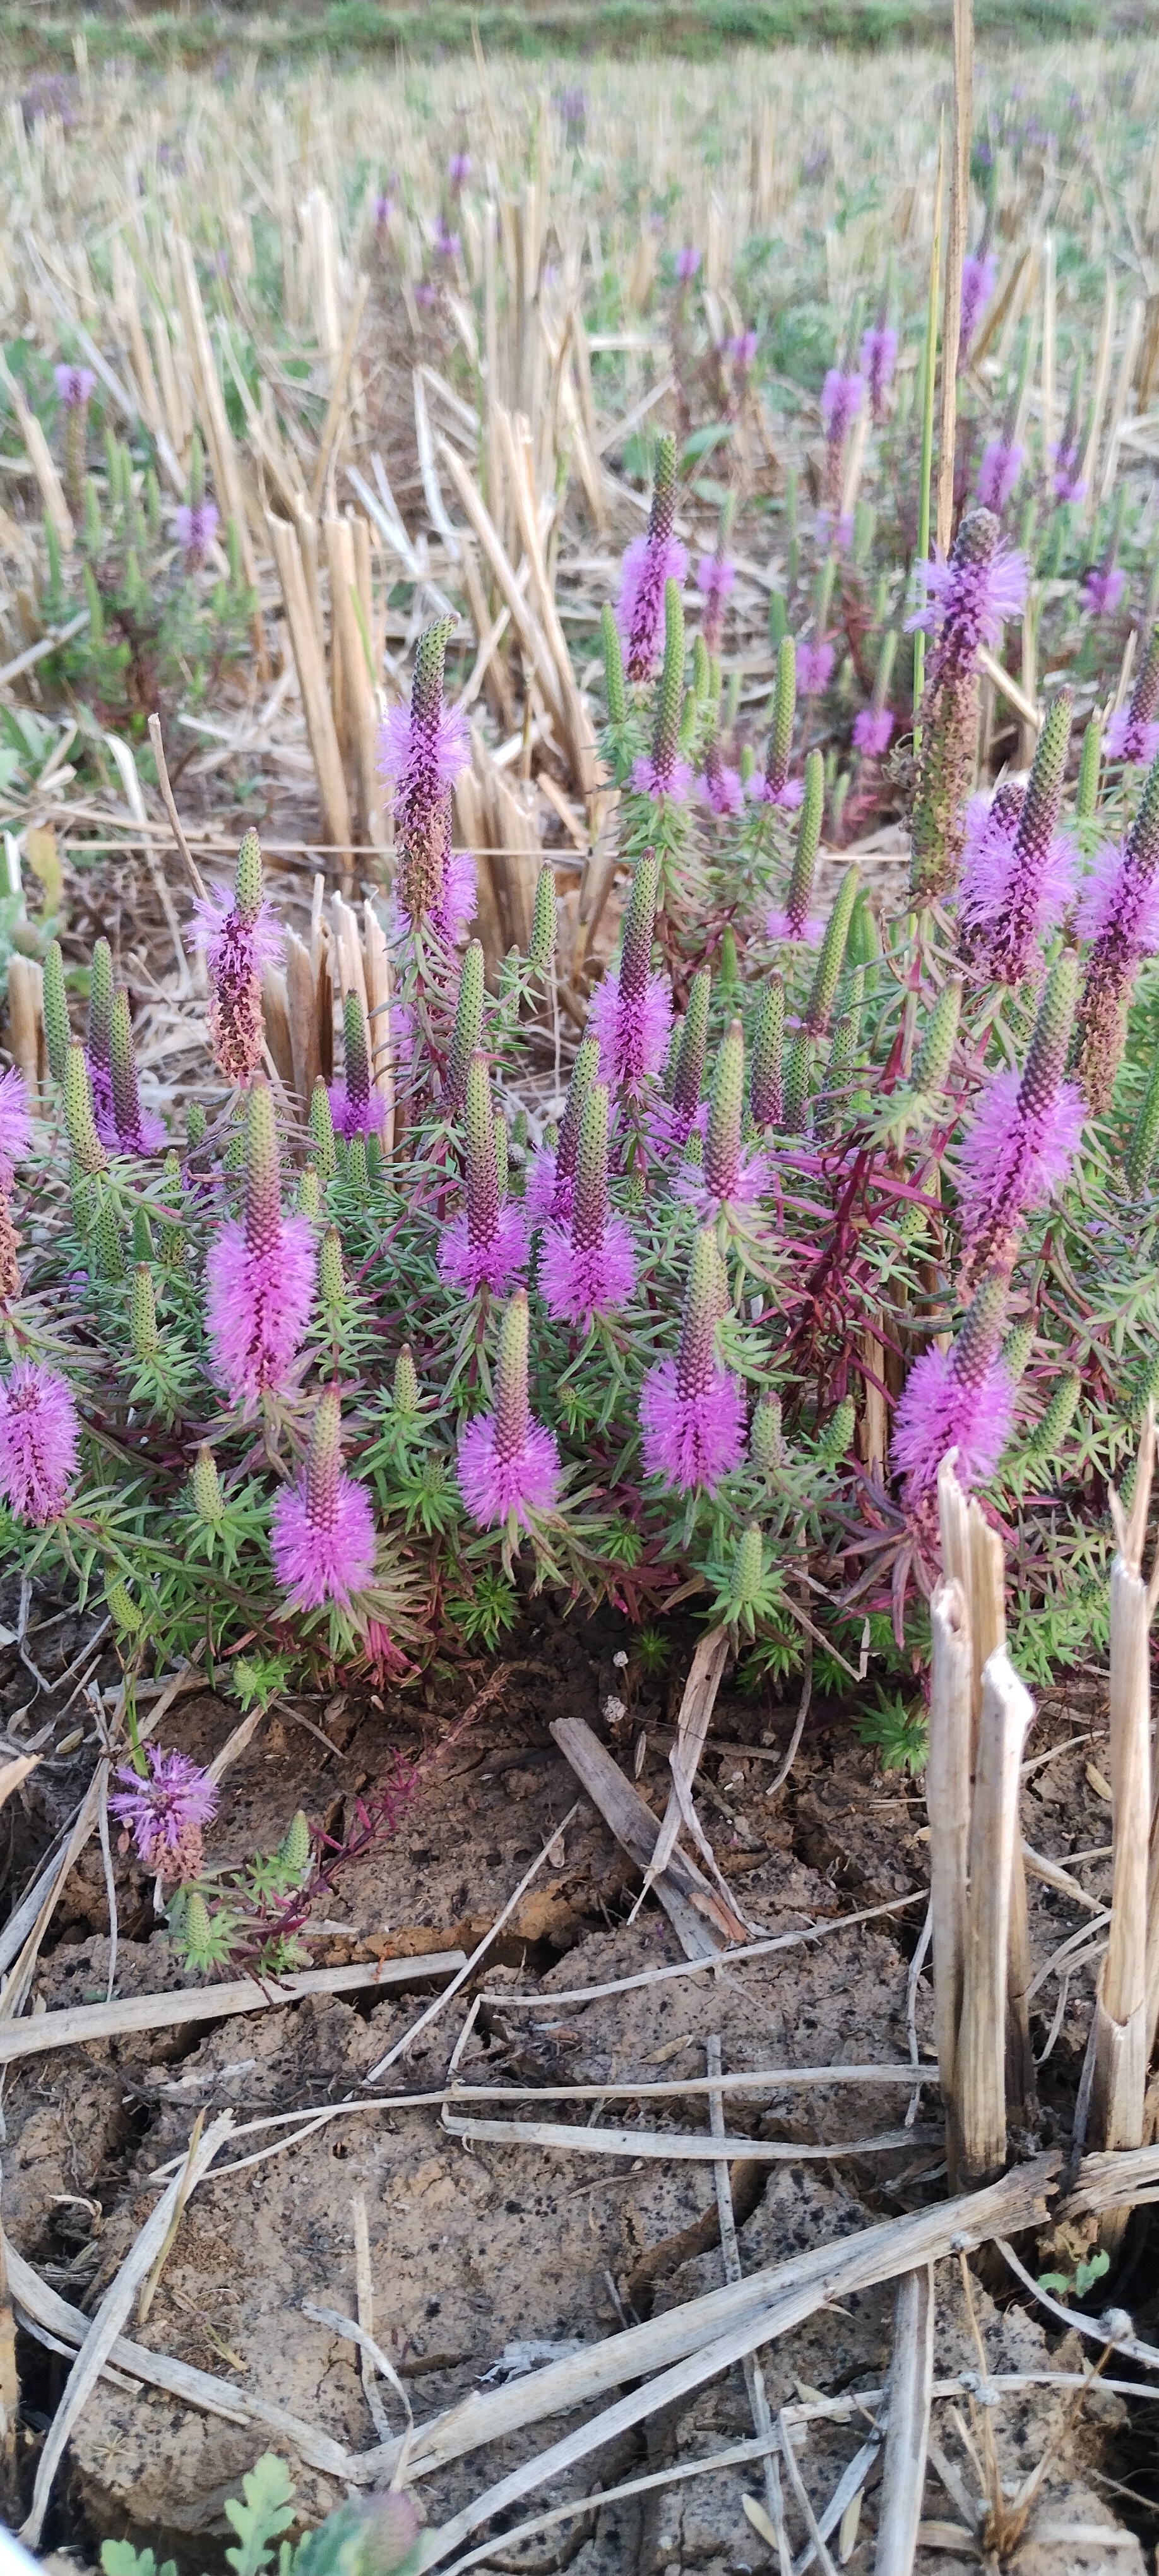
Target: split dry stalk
column 1119, row 2033
column 948, row 1809
column 911, row 2379
column 1007, row 1709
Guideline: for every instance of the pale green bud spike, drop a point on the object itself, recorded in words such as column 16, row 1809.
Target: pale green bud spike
column 1141, row 1151
column 295, row 1849
column 142, row 1246
column 357, row 1170
column 56, row 1028
column 864, row 944
column 766, row 1440
column 833, row 1443
column 542, row 949
column 468, row 1029
column 93, row 605
column 795, row 1114
column 808, row 840
column 1087, row 795
column 309, row 1193
column 205, row 1488
column 143, row 1333
column 748, row 762
column 248, row 878
column 195, row 1125
column 110, row 1252
column 831, row 957
column 406, row 1382
column 701, row 671
column 331, row 1277
column 1047, row 1437
column 79, row 1116
column 501, row 1160
column 123, row 1610
column 783, row 711
column 322, row 1132
column 1017, row 1348
column 935, row 1053
column 615, row 690
column 197, row 1930
column 748, row 1569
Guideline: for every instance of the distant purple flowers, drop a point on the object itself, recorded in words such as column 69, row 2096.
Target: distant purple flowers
column 878, row 361
column 75, row 386
column 166, row 1812
column 978, row 277
column 39, row 1438
column 998, row 473
column 872, row 731
column 814, row 669
column 687, row 265
column 1068, row 480
column 842, row 396
column 1103, row 590
column 195, row 527
column 15, row 1124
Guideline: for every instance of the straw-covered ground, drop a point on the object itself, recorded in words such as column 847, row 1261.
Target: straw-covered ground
column 422, row 330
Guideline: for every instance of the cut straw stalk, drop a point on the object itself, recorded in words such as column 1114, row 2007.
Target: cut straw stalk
column 911, row 2379
column 349, row 659
column 311, row 671
column 948, row 1809
column 1007, row 1709
column 1119, row 2034
column 955, row 254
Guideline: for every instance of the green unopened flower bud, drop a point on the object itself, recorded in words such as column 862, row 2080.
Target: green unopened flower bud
column 729, row 968
column 1145, row 1136
column 331, row 1277
column 109, row 1248
column 247, row 884
column 701, row 671
column 748, row 762
column 833, row 1444
column 798, row 1071
column 864, row 943
column 143, row 1333
column 142, row 1243
column 205, row 1488
column 123, row 1610
column 1047, row 1437
column 405, row 1390
column 196, row 1123
column 831, row 957
column 357, row 1168
column 501, row 1166
column 172, row 1236
column 295, row 1848
column 322, row 1132
column 748, row 1570
column 56, row 1028
column 934, row 1055
column 201, row 1945
column 1087, row 795
column 615, row 692
column 309, row 1193
column 542, row 949
column 1016, row 1349
column 766, row 1440
column 93, row 540
column 79, row 1115
column 765, row 1094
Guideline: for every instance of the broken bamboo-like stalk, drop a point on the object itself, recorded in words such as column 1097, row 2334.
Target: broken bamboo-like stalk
column 948, row 1809
column 911, row 2380
column 1007, row 1709
column 349, row 654
column 311, row 671
column 26, row 1038
column 1118, row 2041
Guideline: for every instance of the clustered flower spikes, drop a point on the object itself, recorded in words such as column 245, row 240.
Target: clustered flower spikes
column 1132, row 735
column 1120, row 917
column 1015, row 888
column 1025, row 1133
column 590, row 1269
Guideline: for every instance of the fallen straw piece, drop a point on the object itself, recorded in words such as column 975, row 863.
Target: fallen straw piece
column 83, row 2022
column 682, row 2145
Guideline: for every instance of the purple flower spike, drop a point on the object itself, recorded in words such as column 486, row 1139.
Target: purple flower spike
column 733, row 1176
column 167, row 1812
column 39, row 1437
column 1039, row 880
column 715, row 577
column 195, row 527
column 15, row 1125
column 260, row 1274
column 878, row 360
column 649, row 564
column 486, row 1244
column 657, row 779
column 814, row 668
column 969, row 599
column 1103, row 590
column 459, row 169
column 322, row 1532
column 590, row 1270
column 1068, row 480
column 239, row 939
column 841, row 399
column 1121, row 919
column 508, row 1464
column 979, row 272
column 631, row 1011
column 958, row 1399
column 720, row 788
column 687, row 265
column 872, row 730
column 75, row 386
column 423, row 749
column 691, row 1410
column 1133, row 734
column 356, row 1109
column 998, row 473
column 1025, row 1132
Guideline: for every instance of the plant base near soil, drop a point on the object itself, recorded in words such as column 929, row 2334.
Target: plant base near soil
column 699, row 30
column 473, row 2251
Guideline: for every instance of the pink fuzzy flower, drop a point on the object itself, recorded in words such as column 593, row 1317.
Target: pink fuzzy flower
column 1014, row 1158
column 998, row 473
column 760, row 789
column 508, row 1464
column 167, row 1812
column 1131, row 739
column 1120, row 903
column 238, row 943
column 808, row 932
column 15, row 1125
column 493, row 1260
column 878, row 360
column 939, row 1411
column 745, row 1186
column 547, row 1192
column 1103, row 590
column 581, row 1280
column 322, row 1530
column 195, row 527
column 842, row 396
column 647, row 565
column 75, row 386
column 442, row 748
column 632, row 1028
column 39, row 1437
column 1068, row 481
column 654, row 778
column 814, row 668
column 257, row 1307
column 352, row 1116
column 872, row 729
column 719, row 788
column 968, row 601
column 694, row 1439
column 715, row 577
column 687, row 265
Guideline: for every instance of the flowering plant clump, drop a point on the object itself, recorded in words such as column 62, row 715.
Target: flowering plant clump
column 311, row 1388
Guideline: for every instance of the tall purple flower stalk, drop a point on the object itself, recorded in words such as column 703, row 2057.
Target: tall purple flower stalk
column 589, row 1269
column 195, row 525
column 691, row 1410
column 733, row 1176
column 979, row 271
column 136, row 1131
column 1025, row 1133
column 663, row 773
column 1120, row 917
column 39, row 1440
column 486, row 1243
column 422, row 751
column 259, row 1274
column 649, row 563
column 166, row 1810
column 551, row 1180
column 1014, row 899
column 322, row 1530
column 239, row 940
column 878, row 361
column 508, row 1463
column 720, row 786
column 1002, row 462
column 842, row 396
column 631, row 1010
column 967, row 601
column 1132, row 735
column 959, row 1399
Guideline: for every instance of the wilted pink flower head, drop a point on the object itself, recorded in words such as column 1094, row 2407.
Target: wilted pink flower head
column 423, row 750
column 649, row 564
column 15, row 1125
column 260, row 1274
column 322, row 1531
column 589, row 1269
column 979, row 271
column 195, row 527
column 872, row 729
column 687, row 265
column 508, row 1464
column 485, row 1244
column 75, row 386
column 958, row 1399
column 720, row 787
column 1025, row 1132
column 691, row 1413
column 239, row 940
column 38, row 1442
column 167, row 1812
column 878, row 360
column 969, row 599
column 998, row 473
column 1039, row 878
column 1103, row 588
column 631, row 1010
column 355, row 1108
column 1133, row 735
column 1120, row 916
column 814, row 668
